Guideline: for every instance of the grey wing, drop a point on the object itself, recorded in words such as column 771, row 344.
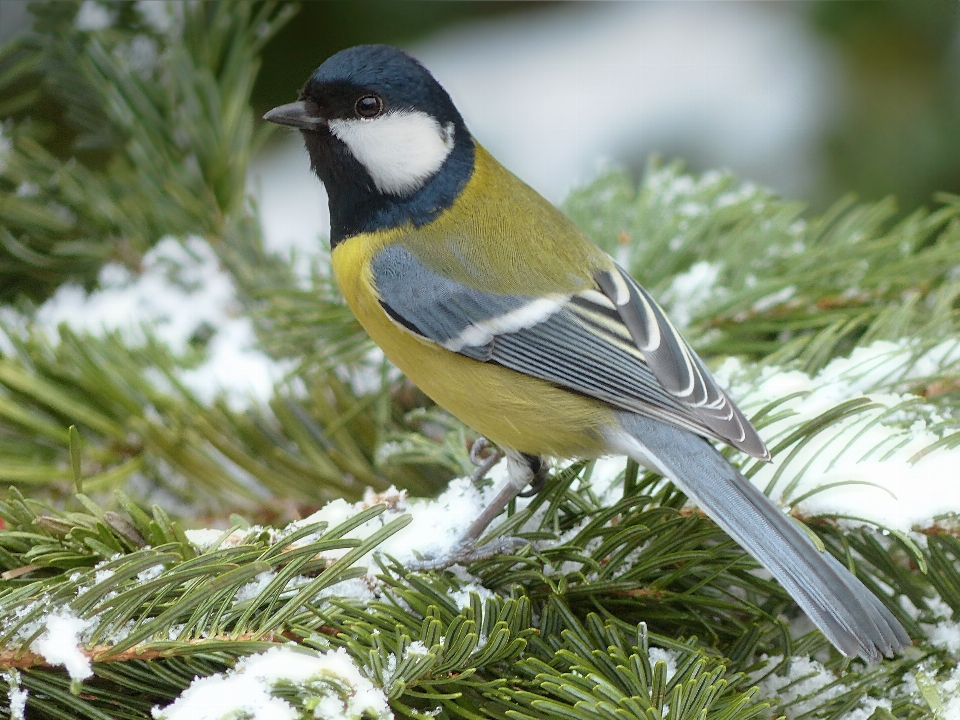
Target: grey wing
column 675, row 364
column 581, row 342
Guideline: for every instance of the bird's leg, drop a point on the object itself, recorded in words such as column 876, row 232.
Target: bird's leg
column 539, row 469
column 519, row 475
column 522, row 470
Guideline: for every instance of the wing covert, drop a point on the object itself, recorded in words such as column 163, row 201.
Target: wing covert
column 587, row 342
column 460, row 318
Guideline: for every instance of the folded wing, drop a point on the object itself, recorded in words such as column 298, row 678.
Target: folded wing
column 612, row 343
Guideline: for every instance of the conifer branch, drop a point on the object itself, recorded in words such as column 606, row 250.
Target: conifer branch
column 626, row 604
column 24, row 659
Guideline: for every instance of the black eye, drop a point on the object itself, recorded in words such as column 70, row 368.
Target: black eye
column 369, row 106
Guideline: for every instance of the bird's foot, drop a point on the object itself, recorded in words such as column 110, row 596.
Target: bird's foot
column 467, row 553
column 522, row 469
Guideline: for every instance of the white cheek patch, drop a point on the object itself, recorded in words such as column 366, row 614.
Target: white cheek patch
column 400, row 150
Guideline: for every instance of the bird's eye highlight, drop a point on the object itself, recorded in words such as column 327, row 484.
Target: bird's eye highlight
column 369, row 106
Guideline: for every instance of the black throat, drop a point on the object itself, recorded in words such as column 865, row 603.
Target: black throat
column 356, row 206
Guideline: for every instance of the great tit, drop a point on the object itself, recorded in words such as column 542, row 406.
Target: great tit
column 502, row 311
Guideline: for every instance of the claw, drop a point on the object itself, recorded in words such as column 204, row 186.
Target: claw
column 484, row 465
column 476, row 450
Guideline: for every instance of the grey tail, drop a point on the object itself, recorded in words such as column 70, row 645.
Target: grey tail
column 851, row 617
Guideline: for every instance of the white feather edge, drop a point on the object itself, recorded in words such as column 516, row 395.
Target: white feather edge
column 526, row 316
column 693, row 371
column 541, row 309
column 523, row 317
column 597, row 298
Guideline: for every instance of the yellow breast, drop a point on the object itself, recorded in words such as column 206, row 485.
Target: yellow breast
column 513, row 410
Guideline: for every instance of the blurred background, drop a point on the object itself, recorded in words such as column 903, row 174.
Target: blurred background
column 812, row 99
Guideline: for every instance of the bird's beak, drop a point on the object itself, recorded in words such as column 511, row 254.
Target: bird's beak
column 295, row 115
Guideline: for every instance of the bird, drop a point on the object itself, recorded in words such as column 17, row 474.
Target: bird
column 508, row 316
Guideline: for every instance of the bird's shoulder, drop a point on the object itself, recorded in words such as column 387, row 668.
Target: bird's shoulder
column 500, row 235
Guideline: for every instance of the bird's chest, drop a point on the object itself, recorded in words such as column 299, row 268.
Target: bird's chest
column 351, row 267
column 512, row 409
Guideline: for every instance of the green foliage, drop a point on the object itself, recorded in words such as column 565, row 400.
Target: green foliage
column 785, row 288
column 170, row 139
column 541, row 642
column 598, row 669
column 625, row 605
column 892, row 131
column 138, row 421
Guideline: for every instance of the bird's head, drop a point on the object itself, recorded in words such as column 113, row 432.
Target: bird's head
column 383, row 136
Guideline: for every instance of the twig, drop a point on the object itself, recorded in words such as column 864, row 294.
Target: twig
column 22, row 659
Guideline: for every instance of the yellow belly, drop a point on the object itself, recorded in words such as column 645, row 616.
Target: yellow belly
column 513, row 410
